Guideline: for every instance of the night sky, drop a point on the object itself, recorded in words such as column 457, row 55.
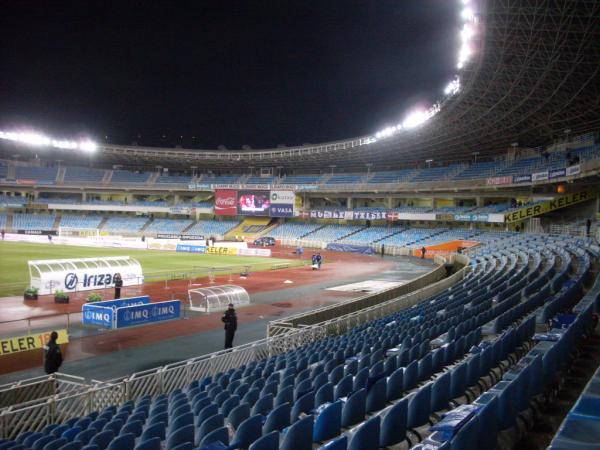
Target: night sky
column 260, row 73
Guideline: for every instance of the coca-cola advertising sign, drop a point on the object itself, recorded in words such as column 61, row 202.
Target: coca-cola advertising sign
column 225, row 202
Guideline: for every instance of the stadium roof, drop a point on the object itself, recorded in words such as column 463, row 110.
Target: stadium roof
column 535, row 77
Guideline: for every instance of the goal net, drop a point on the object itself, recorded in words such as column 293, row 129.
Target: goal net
column 78, row 232
column 217, row 298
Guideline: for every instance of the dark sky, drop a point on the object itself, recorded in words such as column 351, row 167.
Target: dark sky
column 261, row 73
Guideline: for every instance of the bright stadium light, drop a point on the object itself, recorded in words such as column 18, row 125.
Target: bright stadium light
column 88, row 146
column 467, row 33
column 453, row 87
column 35, row 139
column 414, row 119
column 467, row 13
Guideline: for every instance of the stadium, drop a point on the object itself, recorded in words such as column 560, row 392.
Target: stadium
column 432, row 285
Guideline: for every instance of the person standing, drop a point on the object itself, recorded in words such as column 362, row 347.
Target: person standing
column 230, row 321
column 319, row 261
column 382, row 250
column 588, row 227
column 118, row 284
column 52, row 355
column 423, row 251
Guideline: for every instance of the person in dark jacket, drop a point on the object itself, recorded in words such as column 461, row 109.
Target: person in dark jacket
column 423, row 251
column 588, row 227
column 230, row 321
column 118, row 284
column 52, row 355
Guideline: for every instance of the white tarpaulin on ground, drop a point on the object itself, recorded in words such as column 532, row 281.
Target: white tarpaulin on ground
column 369, row 286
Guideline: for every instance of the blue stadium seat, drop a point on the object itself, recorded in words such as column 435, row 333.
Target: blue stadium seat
column 123, row 442
column 328, row 422
column 134, row 427
column 71, row 446
column 102, row 439
column 366, row 435
column 219, row 435
column 149, row 444
column 269, row 441
column 299, row 435
column 303, row 405
column 55, row 444
column 180, row 436
column 238, row 414
column 394, row 423
column 419, row 407
column 209, row 425
column 354, row 409
column 376, row 396
column 248, row 432
column 158, row 430
column 324, row 394
column 278, row 418
column 440, row 392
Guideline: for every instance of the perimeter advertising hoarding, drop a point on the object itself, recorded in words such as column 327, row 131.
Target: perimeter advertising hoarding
column 226, row 202
column 253, row 203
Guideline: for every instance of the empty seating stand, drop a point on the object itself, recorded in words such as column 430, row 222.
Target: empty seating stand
column 466, row 360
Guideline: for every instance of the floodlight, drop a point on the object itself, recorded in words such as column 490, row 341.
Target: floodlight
column 467, row 14
column 414, row 119
column 467, row 33
column 87, row 146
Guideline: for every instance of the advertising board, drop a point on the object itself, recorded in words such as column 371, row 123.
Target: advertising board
column 253, row 203
column 35, row 341
column 225, row 202
column 130, row 316
column 186, row 248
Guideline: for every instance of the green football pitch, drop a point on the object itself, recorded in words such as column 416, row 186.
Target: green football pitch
column 157, row 265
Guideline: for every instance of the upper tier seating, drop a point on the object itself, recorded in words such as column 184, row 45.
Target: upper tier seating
column 41, row 175
column 261, row 180
column 125, row 176
column 221, row 179
column 480, row 170
column 382, row 381
column 301, row 179
column 397, row 176
column 33, row 221
column 349, row 178
column 436, row 173
column 174, row 179
column 80, row 175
